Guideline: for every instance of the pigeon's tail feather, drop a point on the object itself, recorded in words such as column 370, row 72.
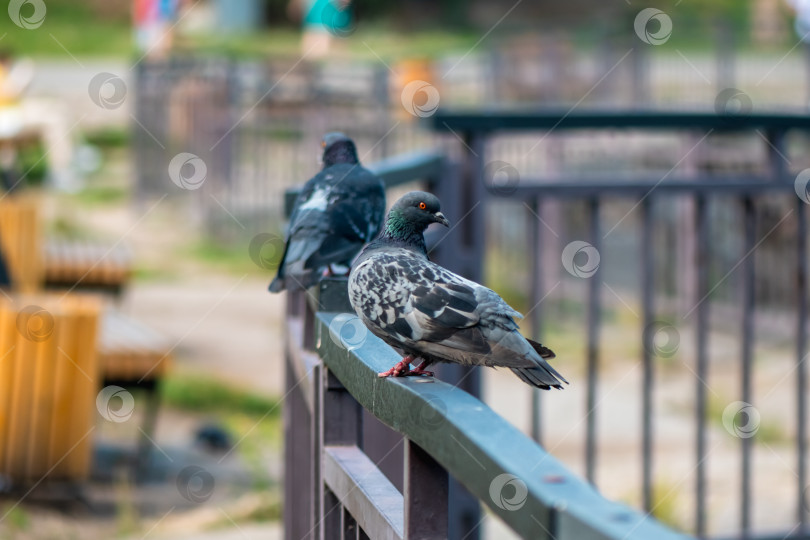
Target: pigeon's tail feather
column 539, row 376
column 542, row 375
column 543, row 351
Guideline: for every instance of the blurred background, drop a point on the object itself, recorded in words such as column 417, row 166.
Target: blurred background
column 145, row 144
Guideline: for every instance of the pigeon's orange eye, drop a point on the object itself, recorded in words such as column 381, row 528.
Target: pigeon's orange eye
column 422, row 206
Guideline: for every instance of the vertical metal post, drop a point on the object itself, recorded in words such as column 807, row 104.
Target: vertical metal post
column 748, row 276
column 801, row 366
column 594, row 314
column 701, row 332
column 332, row 527
column 648, row 379
column 725, row 54
column 299, row 456
column 316, row 449
column 349, row 528
column 463, row 193
column 425, row 496
column 535, row 316
column 777, row 165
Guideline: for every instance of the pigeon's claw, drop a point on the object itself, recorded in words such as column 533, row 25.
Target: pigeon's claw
column 420, row 370
column 400, row 370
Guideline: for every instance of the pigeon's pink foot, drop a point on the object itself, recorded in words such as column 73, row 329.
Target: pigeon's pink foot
column 400, row 370
column 420, row 370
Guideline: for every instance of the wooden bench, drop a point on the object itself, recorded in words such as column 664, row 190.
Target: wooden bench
column 129, row 351
column 86, row 265
column 48, row 386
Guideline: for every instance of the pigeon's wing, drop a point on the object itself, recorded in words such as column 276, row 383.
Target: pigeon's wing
column 338, row 211
column 416, row 305
column 307, row 229
column 355, row 216
column 455, row 313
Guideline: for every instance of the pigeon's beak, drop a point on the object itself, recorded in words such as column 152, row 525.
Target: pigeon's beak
column 439, row 217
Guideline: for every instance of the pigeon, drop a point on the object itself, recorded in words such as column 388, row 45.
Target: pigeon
column 339, row 210
column 429, row 313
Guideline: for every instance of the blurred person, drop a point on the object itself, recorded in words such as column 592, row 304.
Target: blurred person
column 321, row 20
column 154, row 25
column 802, row 25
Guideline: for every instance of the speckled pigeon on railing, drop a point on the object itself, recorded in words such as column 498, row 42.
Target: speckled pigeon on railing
column 432, row 314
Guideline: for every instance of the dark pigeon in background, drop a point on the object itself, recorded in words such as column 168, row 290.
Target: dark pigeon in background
column 432, row 314
column 339, row 210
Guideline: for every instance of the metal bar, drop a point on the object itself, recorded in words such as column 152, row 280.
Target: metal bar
column 801, row 367
column 425, row 497
column 364, row 491
column 584, row 188
column 701, row 334
column 748, row 277
column 648, row 379
column 776, row 150
column 405, row 168
column 332, row 516
column 534, row 250
column 349, row 528
column 463, row 252
column 340, row 424
column 560, row 119
column 342, row 420
column 297, row 496
column 594, row 313
column 316, row 485
column 483, row 451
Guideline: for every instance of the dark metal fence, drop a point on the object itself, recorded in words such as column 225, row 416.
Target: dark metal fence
column 700, row 188
column 256, row 124
column 370, row 458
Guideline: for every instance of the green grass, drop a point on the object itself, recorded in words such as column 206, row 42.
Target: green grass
column 69, row 28
column 252, row 419
column 768, row 432
column 665, row 503
column 232, row 256
column 196, row 393
column 17, row 519
column 109, row 137
column 101, row 195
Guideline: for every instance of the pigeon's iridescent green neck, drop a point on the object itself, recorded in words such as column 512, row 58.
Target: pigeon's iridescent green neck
column 400, row 229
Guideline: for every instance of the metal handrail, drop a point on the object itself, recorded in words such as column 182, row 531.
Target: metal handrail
column 479, row 448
